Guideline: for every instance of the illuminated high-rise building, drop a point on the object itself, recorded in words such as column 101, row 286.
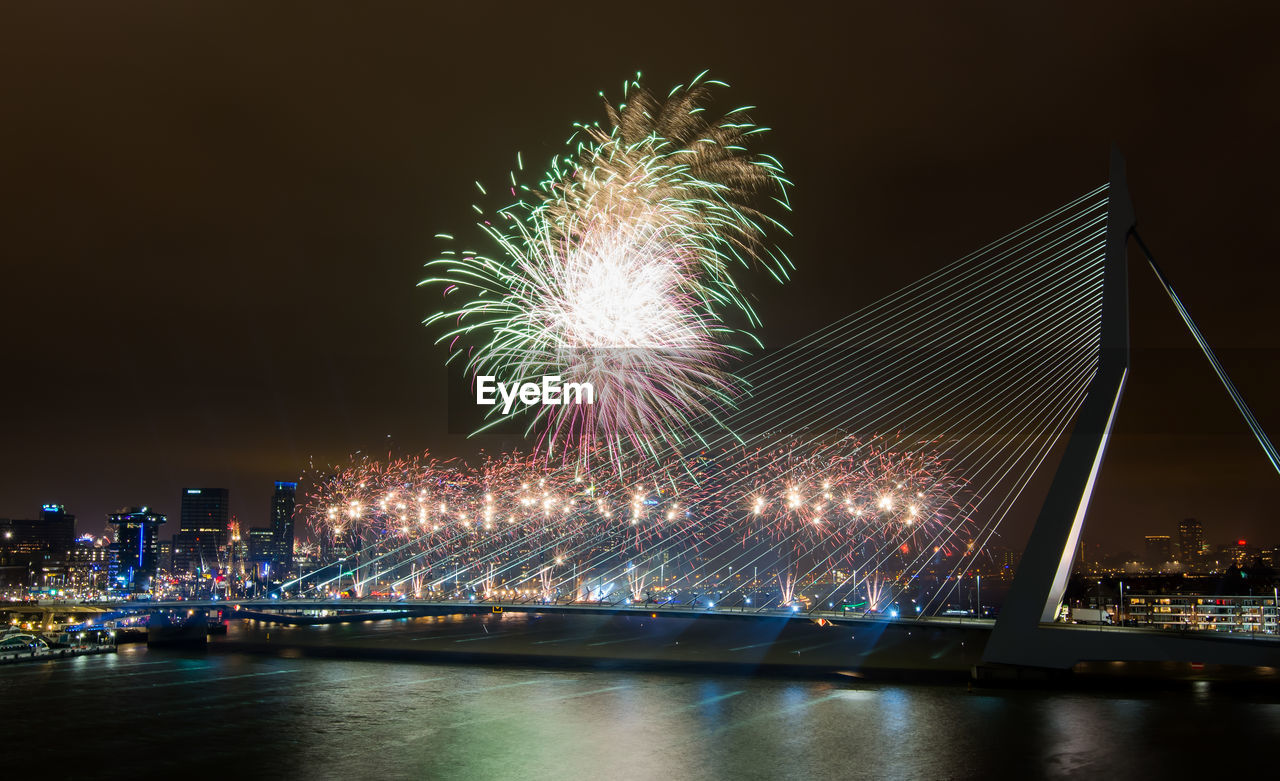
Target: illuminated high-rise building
column 200, row 545
column 282, row 506
column 135, row 552
column 1190, row 541
column 262, row 552
column 90, row 563
column 58, row 531
column 36, row 552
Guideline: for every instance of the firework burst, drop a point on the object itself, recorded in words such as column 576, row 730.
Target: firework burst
column 617, row 269
column 795, row 510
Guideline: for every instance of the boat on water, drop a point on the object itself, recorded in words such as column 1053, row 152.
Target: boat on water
column 22, row 645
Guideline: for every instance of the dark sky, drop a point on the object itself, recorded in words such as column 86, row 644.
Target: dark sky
column 213, row 215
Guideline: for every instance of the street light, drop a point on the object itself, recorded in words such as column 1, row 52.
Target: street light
column 1097, row 603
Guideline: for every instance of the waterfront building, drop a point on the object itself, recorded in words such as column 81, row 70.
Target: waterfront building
column 1216, row 613
column 135, row 553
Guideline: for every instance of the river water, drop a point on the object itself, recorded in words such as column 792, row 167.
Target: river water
column 142, row 713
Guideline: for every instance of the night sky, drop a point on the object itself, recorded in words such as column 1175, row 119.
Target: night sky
column 213, row 215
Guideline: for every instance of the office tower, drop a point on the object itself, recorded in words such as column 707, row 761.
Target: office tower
column 1190, row 541
column 36, row 552
column 262, row 553
column 58, row 531
column 200, row 544
column 282, row 504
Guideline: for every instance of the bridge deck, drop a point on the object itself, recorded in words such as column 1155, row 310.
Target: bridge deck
column 738, row 635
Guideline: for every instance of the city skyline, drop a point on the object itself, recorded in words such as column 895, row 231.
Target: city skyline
column 138, row 542
column 828, row 390
column 90, row 525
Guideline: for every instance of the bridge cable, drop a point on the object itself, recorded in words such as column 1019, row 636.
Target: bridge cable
column 1258, row 432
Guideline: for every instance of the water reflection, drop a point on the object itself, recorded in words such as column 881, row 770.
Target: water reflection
column 156, row 712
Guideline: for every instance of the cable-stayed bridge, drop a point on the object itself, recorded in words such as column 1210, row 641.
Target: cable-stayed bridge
column 857, row 452
column 865, row 467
